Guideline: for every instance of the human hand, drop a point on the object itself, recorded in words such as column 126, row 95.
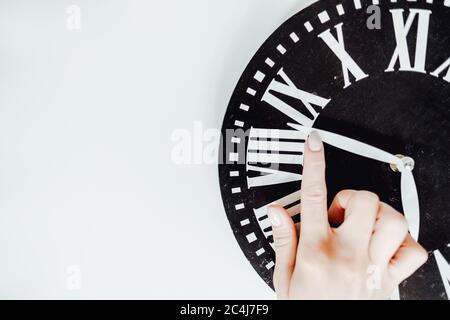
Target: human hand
column 366, row 257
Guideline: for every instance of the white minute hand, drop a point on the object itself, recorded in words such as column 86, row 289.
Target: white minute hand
column 410, row 200
column 351, row 145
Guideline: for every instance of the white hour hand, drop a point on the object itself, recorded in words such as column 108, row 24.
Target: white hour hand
column 351, row 145
column 410, row 202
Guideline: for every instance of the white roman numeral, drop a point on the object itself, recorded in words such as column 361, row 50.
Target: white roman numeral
column 286, row 202
column 442, row 68
column 265, row 147
column 291, row 90
column 444, row 270
column 338, row 48
column 402, row 29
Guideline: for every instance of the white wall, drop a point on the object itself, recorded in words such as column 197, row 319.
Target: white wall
column 86, row 119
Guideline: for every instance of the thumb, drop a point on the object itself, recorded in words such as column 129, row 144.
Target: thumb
column 285, row 244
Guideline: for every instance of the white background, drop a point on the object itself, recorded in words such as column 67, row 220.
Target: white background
column 86, row 119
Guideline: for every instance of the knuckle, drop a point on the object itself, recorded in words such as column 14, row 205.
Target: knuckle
column 314, row 193
column 282, row 238
column 398, row 223
column 367, row 197
column 384, row 207
column 346, row 192
column 422, row 254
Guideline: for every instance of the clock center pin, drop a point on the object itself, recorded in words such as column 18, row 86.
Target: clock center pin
column 408, row 163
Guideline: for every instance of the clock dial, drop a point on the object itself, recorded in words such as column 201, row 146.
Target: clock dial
column 387, row 87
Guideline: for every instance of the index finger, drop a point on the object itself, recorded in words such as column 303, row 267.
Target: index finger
column 314, row 211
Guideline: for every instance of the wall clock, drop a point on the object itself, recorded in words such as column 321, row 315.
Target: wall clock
column 388, row 88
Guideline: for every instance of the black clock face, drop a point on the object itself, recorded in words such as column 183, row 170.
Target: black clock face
column 388, row 87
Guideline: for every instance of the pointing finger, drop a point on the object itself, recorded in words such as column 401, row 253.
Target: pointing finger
column 314, row 213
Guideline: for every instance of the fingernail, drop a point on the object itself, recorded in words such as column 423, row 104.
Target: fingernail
column 274, row 217
column 314, row 141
